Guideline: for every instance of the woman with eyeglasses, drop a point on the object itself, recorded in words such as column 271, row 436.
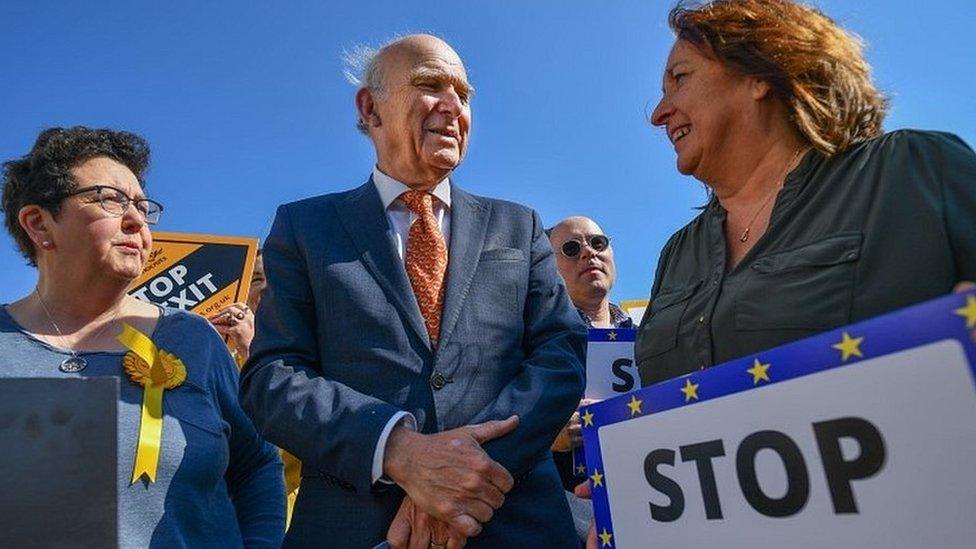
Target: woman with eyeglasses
column 816, row 218
column 76, row 208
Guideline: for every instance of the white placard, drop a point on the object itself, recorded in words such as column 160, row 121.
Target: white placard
column 922, row 403
column 610, row 367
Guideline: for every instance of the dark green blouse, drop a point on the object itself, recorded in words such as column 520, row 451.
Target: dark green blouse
column 887, row 223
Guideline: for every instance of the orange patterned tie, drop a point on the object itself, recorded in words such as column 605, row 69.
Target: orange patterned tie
column 426, row 260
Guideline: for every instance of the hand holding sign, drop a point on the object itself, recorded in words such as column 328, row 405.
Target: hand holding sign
column 571, row 435
column 583, row 491
column 236, row 323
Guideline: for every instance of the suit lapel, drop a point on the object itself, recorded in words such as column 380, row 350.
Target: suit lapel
column 365, row 221
column 469, row 223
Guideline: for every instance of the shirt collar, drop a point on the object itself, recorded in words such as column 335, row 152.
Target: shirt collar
column 618, row 318
column 390, row 189
column 793, row 184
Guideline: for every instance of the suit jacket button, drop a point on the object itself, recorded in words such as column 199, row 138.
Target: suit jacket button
column 438, row 381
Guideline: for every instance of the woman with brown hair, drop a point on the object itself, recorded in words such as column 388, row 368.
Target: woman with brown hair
column 816, row 217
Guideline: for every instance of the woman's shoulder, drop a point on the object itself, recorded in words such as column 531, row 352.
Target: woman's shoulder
column 917, row 141
column 188, row 327
column 183, row 318
column 696, row 228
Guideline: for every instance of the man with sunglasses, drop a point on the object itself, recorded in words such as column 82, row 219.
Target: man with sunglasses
column 585, row 261
column 584, row 258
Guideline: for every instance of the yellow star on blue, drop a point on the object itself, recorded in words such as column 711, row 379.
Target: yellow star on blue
column 587, row 418
column 759, row 371
column 635, row 405
column 597, row 478
column 581, row 468
column 605, row 538
column 612, row 336
column 849, row 346
column 968, row 312
column 690, row 390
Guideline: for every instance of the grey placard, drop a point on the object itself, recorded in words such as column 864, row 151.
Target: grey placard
column 58, row 463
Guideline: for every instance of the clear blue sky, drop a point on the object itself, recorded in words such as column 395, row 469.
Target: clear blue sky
column 245, row 105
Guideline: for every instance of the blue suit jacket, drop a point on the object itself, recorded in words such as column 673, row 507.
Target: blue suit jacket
column 341, row 346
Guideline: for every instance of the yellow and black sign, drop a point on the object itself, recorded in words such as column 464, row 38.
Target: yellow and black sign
column 196, row 272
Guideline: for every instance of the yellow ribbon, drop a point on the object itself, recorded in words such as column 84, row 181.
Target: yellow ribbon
column 151, row 424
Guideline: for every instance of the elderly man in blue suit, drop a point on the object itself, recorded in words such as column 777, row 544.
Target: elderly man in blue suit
column 415, row 346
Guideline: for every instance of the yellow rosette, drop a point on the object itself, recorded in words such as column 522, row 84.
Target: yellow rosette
column 155, row 370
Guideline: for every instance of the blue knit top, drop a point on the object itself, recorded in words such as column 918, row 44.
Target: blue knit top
column 217, row 483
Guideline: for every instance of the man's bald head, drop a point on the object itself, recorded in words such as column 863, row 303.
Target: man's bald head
column 590, row 274
column 410, row 47
column 365, row 66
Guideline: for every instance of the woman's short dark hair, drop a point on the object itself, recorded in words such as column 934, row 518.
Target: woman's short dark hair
column 814, row 66
column 43, row 176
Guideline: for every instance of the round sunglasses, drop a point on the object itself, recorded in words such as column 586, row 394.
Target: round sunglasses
column 597, row 243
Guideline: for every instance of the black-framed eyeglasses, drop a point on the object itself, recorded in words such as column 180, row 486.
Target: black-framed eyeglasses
column 116, row 202
column 597, row 243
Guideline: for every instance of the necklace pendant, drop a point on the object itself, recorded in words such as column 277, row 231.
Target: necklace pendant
column 745, row 235
column 73, row 365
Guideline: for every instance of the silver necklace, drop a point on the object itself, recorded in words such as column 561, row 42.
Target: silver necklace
column 74, row 363
column 745, row 233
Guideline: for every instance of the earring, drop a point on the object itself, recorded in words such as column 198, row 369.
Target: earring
column 46, row 244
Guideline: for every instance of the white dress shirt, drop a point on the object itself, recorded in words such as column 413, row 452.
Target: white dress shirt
column 400, row 218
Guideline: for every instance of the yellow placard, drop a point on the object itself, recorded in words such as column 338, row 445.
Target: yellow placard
column 635, row 308
column 197, row 272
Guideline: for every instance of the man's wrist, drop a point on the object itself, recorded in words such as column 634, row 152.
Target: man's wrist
column 401, row 437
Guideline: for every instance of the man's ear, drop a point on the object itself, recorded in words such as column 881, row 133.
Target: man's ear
column 759, row 89
column 366, row 105
column 37, row 222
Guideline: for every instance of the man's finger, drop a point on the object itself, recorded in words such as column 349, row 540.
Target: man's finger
column 398, row 534
column 441, row 533
column 466, row 525
column 964, row 286
column 420, row 537
column 591, row 538
column 490, row 430
column 492, row 496
column 582, row 490
column 481, row 511
column 454, row 539
column 500, row 478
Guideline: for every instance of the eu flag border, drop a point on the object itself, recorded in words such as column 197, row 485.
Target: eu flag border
column 947, row 317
